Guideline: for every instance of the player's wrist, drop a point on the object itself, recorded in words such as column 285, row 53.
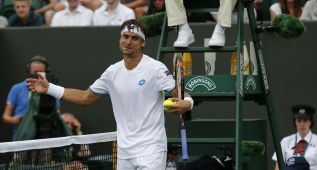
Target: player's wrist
column 55, row 90
column 191, row 101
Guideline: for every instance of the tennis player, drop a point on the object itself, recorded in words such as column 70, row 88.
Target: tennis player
column 136, row 87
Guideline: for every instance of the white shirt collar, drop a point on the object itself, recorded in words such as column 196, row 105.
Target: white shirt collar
column 114, row 11
column 139, row 66
column 307, row 137
column 79, row 9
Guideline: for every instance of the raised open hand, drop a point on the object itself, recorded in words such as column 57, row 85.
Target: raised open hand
column 38, row 85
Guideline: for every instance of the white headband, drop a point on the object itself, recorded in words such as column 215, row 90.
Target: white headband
column 135, row 29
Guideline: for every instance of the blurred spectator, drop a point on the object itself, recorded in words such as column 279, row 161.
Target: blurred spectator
column 290, row 7
column 112, row 13
column 73, row 15
column 92, row 4
column 89, row 4
column 72, row 123
column 138, row 6
column 24, row 16
column 156, row 6
column 3, row 21
column 79, row 151
column 310, row 11
column 258, row 5
column 47, row 10
column 19, row 94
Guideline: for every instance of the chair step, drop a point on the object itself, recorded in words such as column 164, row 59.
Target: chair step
column 198, row 49
column 222, row 94
column 203, row 140
column 226, row 96
column 199, row 10
column 249, row 148
column 221, row 85
column 222, row 88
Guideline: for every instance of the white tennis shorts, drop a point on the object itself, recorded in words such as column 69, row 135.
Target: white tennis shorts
column 156, row 161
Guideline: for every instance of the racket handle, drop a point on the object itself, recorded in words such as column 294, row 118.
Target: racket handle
column 184, row 144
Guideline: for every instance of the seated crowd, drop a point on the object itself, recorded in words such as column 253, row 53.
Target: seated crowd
column 55, row 13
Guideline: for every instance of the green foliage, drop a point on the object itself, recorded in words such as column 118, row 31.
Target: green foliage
column 253, row 148
column 289, row 26
column 153, row 24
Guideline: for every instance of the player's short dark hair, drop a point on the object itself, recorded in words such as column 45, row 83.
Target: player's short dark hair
column 132, row 22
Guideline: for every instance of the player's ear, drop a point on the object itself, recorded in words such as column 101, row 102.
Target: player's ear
column 143, row 44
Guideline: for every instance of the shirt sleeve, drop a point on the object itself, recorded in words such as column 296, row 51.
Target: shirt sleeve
column 283, row 144
column 165, row 80
column 131, row 15
column 12, row 97
column 100, row 86
column 274, row 158
column 55, row 20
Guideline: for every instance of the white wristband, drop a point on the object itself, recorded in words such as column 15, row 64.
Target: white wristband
column 55, row 91
column 191, row 101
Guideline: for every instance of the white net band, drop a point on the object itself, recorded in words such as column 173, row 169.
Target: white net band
column 56, row 142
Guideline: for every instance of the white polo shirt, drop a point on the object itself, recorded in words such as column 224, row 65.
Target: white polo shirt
column 79, row 17
column 137, row 96
column 117, row 17
column 288, row 143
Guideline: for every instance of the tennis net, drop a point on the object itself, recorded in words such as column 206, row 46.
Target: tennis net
column 93, row 152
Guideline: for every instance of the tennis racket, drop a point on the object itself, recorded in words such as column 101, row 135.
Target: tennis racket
column 179, row 73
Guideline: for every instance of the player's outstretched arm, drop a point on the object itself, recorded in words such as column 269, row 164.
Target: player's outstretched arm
column 82, row 97
column 42, row 86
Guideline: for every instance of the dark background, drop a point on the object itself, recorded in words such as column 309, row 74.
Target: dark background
column 78, row 56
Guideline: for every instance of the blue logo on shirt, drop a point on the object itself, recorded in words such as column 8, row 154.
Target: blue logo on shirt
column 142, row 82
